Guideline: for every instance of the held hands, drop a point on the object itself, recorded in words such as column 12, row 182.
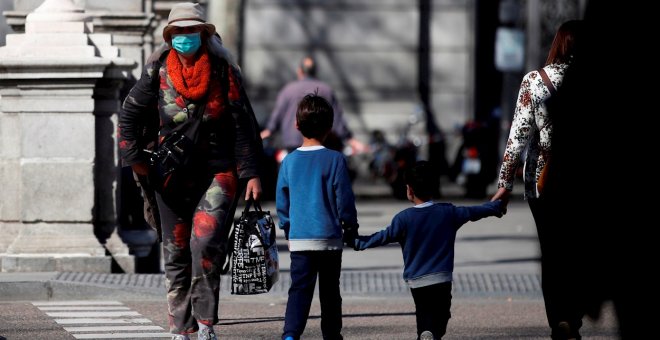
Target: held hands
column 253, row 189
column 503, row 195
column 502, row 209
column 350, row 234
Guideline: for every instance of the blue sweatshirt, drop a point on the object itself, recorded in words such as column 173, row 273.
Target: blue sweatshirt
column 427, row 233
column 314, row 196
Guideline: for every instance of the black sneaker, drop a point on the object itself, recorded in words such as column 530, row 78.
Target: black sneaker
column 565, row 331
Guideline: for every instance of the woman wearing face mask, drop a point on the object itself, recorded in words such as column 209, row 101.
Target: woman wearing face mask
column 194, row 79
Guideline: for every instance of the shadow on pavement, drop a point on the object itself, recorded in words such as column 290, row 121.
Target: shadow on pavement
column 238, row 321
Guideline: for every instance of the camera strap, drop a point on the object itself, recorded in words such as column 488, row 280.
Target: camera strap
column 190, row 128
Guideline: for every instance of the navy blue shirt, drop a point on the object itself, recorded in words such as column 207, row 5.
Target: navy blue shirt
column 427, row 233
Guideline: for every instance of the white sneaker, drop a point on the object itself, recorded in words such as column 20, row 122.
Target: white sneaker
column 426, row 335
column 180, row 337
column 206, row 334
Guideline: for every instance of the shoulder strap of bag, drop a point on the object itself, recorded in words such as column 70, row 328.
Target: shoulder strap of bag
column 547, row 82
column 541, row 182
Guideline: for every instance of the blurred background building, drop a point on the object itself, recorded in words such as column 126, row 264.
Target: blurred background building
column 438, row 76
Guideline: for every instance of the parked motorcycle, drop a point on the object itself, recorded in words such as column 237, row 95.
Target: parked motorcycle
column 390, row 161
column 475, row 164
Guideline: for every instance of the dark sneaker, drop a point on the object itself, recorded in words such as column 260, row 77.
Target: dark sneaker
column 426, row 335
column 206, row 334
column 565, row 331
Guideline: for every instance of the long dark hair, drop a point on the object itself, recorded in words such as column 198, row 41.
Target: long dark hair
column 564, row 43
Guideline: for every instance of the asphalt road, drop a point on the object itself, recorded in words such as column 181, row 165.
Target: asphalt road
column 262, row 318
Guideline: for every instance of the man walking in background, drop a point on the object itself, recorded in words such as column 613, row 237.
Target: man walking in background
column 283, row 118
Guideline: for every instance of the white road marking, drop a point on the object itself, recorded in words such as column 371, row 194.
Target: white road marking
column 122, row 335
column 77, row 303
column 113, row 328
column 100, row 320
column 91, row 314
column 82, row 321
column 72, row 308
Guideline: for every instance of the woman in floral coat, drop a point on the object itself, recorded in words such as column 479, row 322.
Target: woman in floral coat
column 531, row 130
column 196, row 202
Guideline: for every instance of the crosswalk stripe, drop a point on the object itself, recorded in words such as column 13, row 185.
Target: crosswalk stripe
column 82, row 321
column 91, row 314
column 113, row 328
column 121, row 335
column 76, row 303
column 72, row 308
column 100, row 320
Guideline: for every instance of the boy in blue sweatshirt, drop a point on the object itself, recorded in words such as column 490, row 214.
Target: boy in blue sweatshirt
column 426, row 233
column 314, row 201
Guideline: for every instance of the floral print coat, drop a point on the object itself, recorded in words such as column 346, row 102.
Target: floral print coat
column 153, row 106
column 531, row 130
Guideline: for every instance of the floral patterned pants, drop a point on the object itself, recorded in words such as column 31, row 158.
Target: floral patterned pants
column 196, row 217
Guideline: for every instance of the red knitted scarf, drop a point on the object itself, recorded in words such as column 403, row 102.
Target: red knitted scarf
column 191, row 82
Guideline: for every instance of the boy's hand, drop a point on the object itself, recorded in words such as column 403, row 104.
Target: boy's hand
column 502, row 209
column 349, row 241
column 355, row 243
column 350, row 234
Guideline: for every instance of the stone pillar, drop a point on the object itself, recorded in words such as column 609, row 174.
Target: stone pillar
column 225, row 15
column 59, row 85
column 132, row 27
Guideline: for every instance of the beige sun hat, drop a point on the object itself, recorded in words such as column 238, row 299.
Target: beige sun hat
column 185, row 15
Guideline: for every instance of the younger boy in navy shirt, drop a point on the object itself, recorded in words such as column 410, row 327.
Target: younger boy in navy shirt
column 426, row 233
column 314, row 200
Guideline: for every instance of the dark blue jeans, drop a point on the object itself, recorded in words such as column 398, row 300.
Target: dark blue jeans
column 305, row 265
